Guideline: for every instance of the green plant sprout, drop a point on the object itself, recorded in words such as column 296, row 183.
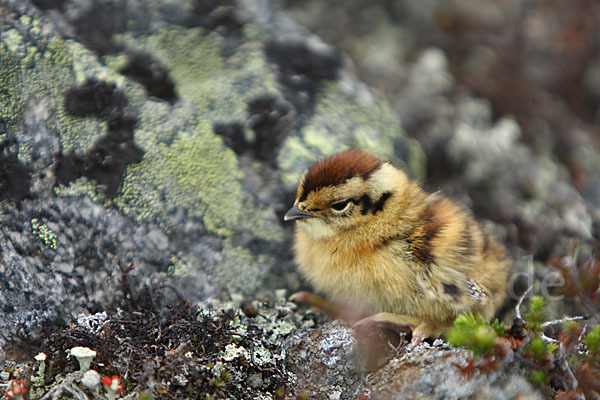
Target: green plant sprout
column 475, row 334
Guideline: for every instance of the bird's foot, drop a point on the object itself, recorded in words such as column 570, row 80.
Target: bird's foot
column 400, row 324
column 416, row 339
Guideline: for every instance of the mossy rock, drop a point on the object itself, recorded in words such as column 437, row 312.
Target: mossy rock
column 186, row 207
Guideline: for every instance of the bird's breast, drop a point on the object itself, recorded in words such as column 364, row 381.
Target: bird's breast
column 366, row 276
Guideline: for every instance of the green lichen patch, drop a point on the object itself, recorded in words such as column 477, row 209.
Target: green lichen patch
column 194, row 172
column 42, row 71
column 219, row 87
column 82, row 187
column 186, row 166
column 11, row 87
column 343, row 121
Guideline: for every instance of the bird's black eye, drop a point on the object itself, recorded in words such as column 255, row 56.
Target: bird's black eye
column 340, row 205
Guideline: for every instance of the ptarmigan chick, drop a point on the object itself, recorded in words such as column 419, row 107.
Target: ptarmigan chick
column 372, row 240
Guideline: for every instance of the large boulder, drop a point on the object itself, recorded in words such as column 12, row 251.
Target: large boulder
column 169, row 136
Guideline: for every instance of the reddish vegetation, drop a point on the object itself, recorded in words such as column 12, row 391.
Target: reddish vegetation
column 582, row 278
column 491, row 362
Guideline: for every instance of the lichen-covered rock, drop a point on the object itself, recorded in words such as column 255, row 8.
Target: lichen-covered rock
column 323, row 361
column 169, row 136
column 434, row 372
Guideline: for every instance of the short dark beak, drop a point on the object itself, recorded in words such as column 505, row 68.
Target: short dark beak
column 294, row 213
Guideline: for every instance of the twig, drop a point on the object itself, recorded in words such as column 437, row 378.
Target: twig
column 580, row 346
column 124, row 283
column 518, row 306
column 394, row 348
column 583, row 332
column 560, row 359
column 550, row 340
column 562, row 321
column 66, row 386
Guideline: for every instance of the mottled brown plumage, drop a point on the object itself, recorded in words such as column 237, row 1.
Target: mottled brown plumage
column 372, row 240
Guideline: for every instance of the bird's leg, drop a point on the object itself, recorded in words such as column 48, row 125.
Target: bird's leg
column 318, row 302
column 398, row 323
column 330, row 308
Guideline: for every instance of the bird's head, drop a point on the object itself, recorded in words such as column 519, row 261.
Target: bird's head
column 342, row 192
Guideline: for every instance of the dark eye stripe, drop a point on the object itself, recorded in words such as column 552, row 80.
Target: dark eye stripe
column 378, row 206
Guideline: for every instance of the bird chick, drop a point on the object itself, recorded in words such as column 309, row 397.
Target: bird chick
column 370, row 238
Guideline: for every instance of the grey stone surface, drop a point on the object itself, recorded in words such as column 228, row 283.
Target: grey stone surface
column 434, row 372
column 323, row 361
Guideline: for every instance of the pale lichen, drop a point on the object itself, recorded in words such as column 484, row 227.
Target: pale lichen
column 82, row 187
column 201, row 74
column 232, row 351
column 12, row 86
column 180, row 266
column 44, row 233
